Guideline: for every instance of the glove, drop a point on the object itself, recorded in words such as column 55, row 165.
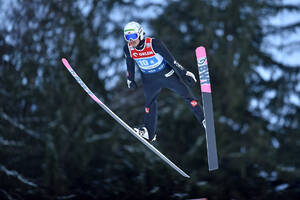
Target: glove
column 131, row 84
column 190, row 79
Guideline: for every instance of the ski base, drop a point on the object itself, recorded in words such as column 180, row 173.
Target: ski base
column 212, row 154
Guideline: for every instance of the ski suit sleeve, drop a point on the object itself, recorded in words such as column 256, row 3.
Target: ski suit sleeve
column 130, row 64
column 160, row 47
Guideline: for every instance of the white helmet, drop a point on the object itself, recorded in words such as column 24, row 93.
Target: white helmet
column 133, row 28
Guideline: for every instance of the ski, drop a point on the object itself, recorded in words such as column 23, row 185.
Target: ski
column 120, row 121
column 211, row 146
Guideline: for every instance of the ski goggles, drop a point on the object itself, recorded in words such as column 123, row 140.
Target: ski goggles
column 132, row 36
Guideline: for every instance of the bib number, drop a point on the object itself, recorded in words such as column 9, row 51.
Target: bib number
column 147, row 62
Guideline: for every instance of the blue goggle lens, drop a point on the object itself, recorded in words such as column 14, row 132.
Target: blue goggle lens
column 132, row 36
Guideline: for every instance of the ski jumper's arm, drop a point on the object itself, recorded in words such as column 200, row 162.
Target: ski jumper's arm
column 186, row 76
column 160, row 47
column 130, row 64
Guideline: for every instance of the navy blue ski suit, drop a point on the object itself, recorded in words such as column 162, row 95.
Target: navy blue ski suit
column 169, row 75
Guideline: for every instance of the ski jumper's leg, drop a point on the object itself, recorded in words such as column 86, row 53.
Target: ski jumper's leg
column 151, row 92
column 175, row 84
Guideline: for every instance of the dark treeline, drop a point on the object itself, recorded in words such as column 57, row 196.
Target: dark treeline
column 56, row 143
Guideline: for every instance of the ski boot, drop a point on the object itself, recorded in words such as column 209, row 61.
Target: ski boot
column 142, row 131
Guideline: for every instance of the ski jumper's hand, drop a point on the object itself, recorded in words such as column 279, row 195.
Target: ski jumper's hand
column 131, row 84
column 190, row 78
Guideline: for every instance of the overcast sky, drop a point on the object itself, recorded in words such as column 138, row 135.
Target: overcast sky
column 291, row 54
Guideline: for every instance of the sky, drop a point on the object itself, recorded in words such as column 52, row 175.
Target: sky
column 291, row 54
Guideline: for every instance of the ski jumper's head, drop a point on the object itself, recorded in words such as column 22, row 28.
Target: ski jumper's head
column 133, row 33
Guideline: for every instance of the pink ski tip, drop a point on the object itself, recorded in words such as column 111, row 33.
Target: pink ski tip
column 206, row 88
column 200, row 52
column 66, row 63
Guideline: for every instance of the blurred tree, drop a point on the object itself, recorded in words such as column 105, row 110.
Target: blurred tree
column 52, row 134
column 256, row 121
column 57, row 144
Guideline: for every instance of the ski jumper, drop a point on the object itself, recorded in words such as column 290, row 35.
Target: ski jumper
column 157, row 68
